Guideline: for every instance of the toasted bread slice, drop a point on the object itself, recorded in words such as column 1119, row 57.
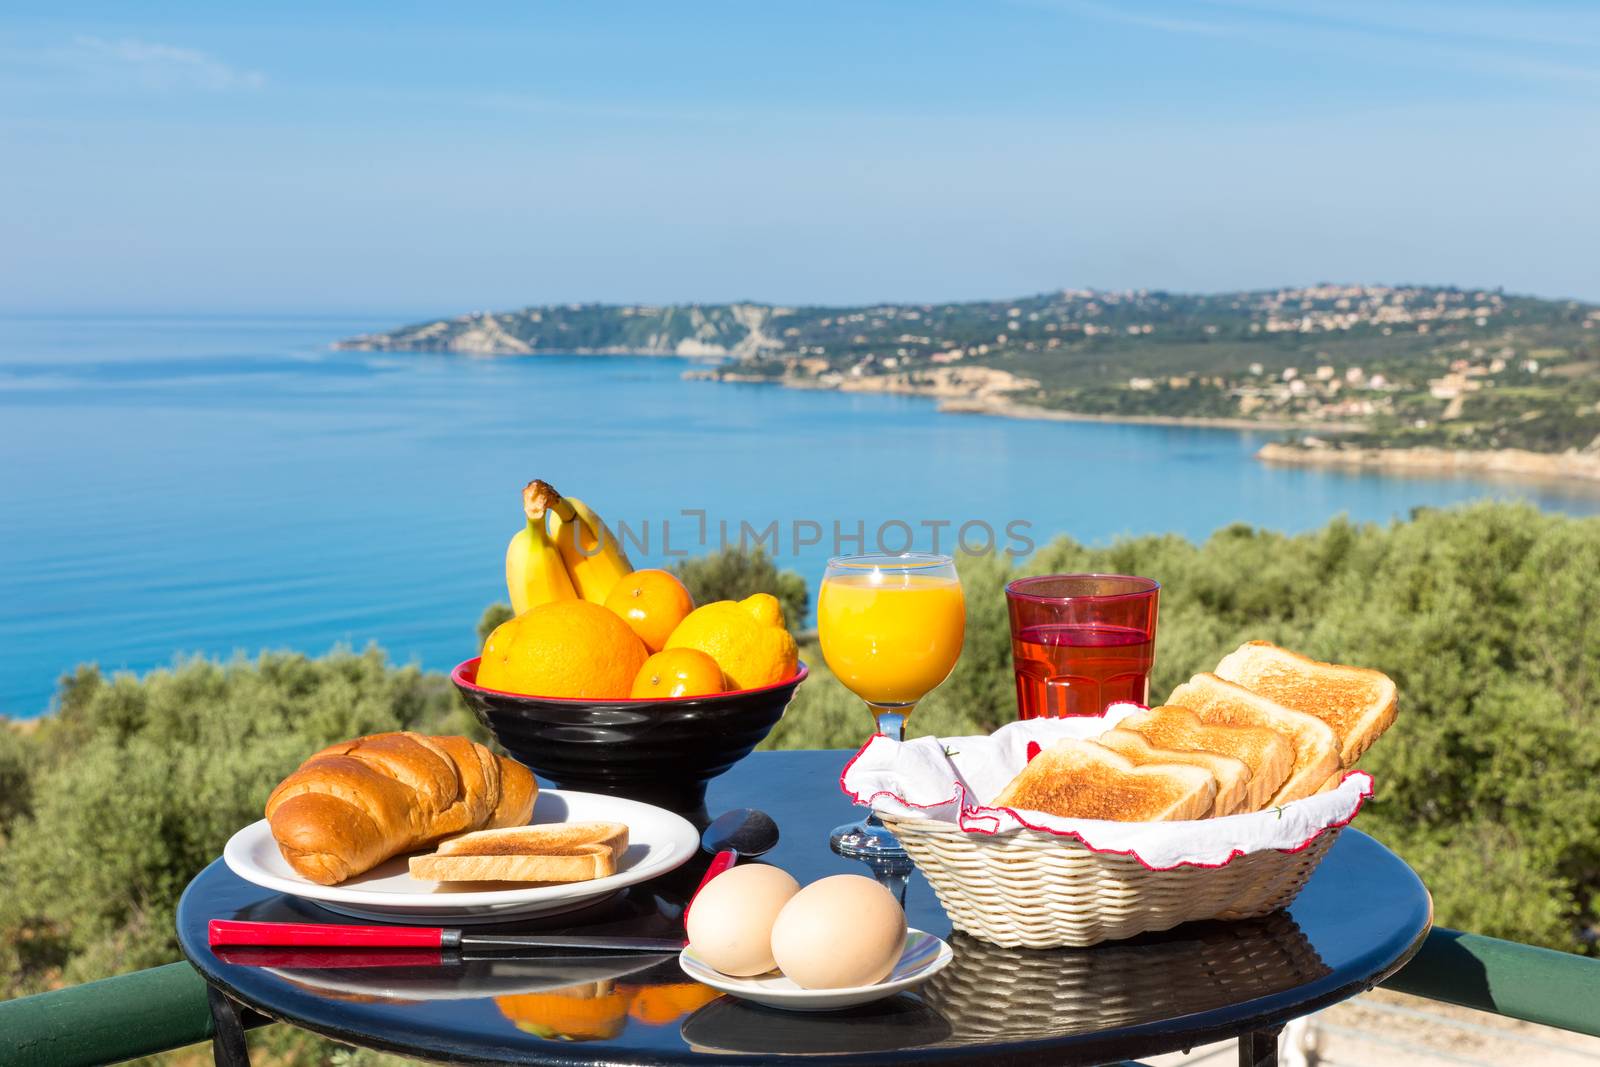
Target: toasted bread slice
column 583, row 864
column 1232, row 775
column 1359, row 704
column 538, row 839
column 1082, row 780
column 556, row 852
column 1268, row 754
column 1316, row 747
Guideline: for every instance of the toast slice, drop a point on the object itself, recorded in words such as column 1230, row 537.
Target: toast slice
column 555, row 852
column 1316, row 747
column 1082, row 780
column 1268, row 754
column 1232, row 775
column 1359, row 704
column 536, row 839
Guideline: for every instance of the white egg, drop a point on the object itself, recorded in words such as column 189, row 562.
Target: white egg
column 730, row 921
column 840, row 932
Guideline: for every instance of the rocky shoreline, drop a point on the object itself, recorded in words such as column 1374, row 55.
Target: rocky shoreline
column 1508, row 463
column 983, row 391
column 1010, row 410
column 1511, row 462
column 992, row 398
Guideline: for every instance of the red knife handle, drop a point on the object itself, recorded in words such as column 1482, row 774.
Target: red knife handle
column 322, row 958
column 719, row 863
column 322, row 935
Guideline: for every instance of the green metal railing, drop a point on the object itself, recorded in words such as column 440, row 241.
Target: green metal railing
column 1536, row 985
column 114, row 1019
column 151, row 1011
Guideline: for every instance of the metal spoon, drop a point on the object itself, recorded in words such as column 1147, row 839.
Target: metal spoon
column 745, row 831
column 733, row 836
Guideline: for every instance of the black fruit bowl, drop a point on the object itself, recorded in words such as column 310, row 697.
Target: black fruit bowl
column 658, row 751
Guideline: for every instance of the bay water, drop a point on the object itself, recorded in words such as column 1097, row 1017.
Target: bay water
column 213, row 485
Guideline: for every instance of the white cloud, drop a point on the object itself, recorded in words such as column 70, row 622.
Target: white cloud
column 148, row 65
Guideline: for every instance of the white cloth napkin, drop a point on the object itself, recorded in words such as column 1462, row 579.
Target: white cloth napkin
column 952, row 779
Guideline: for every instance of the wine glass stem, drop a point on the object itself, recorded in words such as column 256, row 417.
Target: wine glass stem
column 891, row 719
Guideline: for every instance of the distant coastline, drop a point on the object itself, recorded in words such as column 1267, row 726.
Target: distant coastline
column 1513, row 462
column 1370, row 375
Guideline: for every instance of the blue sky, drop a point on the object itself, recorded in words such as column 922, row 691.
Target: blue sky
column 412, row 159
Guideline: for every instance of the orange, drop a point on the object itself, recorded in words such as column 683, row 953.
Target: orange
column 678, row 672
column 746, row 638
column 566, row 648
column 588, row 1015
column 652, row 603
column 658, row 1005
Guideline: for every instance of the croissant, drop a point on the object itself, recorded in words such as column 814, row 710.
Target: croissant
column 357, row 803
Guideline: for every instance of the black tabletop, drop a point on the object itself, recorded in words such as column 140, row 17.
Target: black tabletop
column 1361, row 916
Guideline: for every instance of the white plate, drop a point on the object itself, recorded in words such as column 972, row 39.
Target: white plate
column 658, row 841
column 924, row 957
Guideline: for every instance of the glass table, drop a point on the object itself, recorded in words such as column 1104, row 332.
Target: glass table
column 1359, row 919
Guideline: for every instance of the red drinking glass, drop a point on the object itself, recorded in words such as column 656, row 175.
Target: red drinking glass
column 1080, row 642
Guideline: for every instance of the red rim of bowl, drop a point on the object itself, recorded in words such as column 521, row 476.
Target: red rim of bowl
column 458, row 676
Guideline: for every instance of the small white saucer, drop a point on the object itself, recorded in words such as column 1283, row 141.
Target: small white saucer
column 924, row 957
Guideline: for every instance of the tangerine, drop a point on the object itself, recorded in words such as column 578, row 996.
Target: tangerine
column 566, row 648
column 678, row 672
column 652, row 603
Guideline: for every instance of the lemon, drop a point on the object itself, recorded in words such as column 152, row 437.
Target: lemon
column 746, row 638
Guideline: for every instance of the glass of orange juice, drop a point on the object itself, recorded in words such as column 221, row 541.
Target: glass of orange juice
column 891, row 629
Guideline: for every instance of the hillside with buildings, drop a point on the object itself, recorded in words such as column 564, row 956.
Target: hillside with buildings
column 1380, row 367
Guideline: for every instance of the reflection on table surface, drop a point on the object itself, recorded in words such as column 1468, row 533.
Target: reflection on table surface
column 567, row 996
column 989, row 992
column 373, row 976
column 728, row 1025
column 596, row 1011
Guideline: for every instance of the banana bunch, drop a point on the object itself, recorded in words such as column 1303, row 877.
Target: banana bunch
column 565, row 552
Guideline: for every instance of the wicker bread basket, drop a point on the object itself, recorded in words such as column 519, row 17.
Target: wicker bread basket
column 1038, row 890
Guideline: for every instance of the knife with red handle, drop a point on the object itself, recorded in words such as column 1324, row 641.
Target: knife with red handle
column 721, row 862
column 331, row 935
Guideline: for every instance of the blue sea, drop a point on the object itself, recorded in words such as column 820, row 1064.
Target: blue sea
column 173, row 486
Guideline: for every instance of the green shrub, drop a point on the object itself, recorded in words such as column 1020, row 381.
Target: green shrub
column 733, row 575
column 493, row 616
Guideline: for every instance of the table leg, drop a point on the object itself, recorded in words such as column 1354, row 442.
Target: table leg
column 1259, row 1048
column 228, row 1046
